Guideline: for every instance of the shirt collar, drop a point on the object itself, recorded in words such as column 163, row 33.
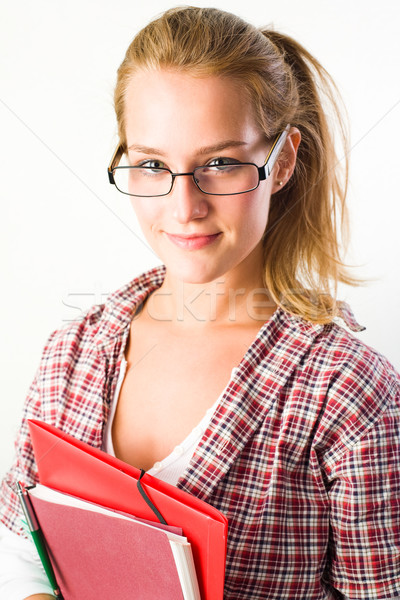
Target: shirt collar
column 346, row 315
column 120, row 306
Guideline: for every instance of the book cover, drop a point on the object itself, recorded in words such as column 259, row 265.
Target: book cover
column 99, row 554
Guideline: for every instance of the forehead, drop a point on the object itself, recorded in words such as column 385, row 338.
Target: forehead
column 168, row 106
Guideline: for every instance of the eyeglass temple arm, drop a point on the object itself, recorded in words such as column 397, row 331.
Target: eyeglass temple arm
column 116, row 157
column 265, row 170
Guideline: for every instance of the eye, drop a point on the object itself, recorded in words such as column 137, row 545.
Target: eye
column 222, row 162
column 153, row 164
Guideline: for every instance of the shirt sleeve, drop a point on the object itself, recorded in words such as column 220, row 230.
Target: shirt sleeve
column 24, row 467
column 21, row 573
column 365, row 513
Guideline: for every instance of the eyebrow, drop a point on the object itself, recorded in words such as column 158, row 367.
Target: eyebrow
column 203, row 150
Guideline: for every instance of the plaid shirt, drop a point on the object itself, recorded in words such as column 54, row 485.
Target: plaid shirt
column 302, row 454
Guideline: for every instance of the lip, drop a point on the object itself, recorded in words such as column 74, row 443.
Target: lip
column 194, row 241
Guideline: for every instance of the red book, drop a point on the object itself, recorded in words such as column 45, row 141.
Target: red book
column 75, row 468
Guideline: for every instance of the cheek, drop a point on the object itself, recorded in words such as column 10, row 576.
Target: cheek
column 253, row 214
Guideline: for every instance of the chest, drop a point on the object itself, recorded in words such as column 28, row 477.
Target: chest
column 169, row 384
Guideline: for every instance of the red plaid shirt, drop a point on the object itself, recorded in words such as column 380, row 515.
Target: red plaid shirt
column 302, row 454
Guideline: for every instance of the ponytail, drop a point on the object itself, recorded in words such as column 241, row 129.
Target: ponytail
column 308, row 218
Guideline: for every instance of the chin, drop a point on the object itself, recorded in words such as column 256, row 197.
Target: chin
column 194, row 275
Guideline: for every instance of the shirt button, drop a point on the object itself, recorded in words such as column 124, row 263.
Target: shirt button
column 157, row 466
column 179, row 450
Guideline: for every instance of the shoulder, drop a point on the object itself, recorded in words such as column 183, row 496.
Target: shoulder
column 354, row 365
column 342, row 385
column 334, row 351
column 360, row 376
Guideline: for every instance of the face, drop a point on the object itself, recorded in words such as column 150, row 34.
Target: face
column 182, row 122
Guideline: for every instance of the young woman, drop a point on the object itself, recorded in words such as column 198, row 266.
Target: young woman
column 230, row 371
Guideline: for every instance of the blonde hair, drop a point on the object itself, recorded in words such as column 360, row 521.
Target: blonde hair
column 286, row 85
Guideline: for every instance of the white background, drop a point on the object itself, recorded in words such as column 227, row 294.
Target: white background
column 68, row 238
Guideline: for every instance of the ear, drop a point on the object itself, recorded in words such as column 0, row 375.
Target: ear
column 284, row 167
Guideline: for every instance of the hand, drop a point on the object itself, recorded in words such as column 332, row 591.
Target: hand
column 40, row 597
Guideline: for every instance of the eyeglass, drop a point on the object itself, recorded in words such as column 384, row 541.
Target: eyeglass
column 216, row 180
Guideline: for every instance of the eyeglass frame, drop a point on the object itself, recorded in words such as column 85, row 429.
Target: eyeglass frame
column 263, row 172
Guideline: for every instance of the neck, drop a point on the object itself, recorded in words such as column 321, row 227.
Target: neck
column 220, row 302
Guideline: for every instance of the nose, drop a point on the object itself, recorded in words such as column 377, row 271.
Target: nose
column 189, row 203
